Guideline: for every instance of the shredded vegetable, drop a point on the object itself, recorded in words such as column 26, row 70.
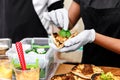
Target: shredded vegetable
column 107, row 76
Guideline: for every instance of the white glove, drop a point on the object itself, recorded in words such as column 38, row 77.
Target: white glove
column 84, row 37
column 59, row 17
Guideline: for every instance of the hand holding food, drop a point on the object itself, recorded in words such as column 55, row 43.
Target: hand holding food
column 84, row 37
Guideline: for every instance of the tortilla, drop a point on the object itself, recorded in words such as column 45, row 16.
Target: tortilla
column 68, row 76
column 59, row 41
column 86, row 70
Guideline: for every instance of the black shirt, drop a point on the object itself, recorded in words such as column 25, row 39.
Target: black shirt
column 104, row 17
column 99, row 4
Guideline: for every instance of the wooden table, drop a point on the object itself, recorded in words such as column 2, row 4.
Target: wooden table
column 115, row 71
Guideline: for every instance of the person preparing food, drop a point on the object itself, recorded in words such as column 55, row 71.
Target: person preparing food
column 100, row 39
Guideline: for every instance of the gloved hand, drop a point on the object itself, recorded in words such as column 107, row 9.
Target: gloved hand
column 84, row 37
column 59, row 17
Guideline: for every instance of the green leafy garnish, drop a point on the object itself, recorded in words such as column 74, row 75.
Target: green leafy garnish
column 62, row 33
column 107, row 76
column 68, row 34
column 65, row 33
column 35, row 47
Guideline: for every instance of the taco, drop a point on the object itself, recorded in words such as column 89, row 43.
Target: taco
column 86, row 70
column 60, row 37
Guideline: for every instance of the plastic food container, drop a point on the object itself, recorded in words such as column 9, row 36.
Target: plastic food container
column 46, row 60
column 5, row 44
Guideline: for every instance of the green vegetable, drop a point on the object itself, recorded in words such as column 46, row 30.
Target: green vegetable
column 38, row 46
column 43, row 52
column 28, row 50
column 28, row 66
column 35, row 47
column 42, row 73
column 107, row 76
column 68, row 34
column 64, row 33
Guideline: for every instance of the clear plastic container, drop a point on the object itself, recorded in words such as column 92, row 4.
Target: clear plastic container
column 46, row 60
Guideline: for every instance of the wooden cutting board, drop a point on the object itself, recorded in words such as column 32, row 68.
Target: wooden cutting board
column 114, row 70
column 66, row 68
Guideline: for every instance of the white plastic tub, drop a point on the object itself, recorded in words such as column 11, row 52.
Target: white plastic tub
column 46, row 61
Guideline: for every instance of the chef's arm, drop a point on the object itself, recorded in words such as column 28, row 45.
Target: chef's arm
column 74, row 14
column 108, row 42
column 104, row 41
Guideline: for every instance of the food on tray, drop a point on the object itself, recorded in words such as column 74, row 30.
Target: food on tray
column 60, row 37
column 79, row 72
column 68, row 76
column 86, row 70
column 105, row 76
